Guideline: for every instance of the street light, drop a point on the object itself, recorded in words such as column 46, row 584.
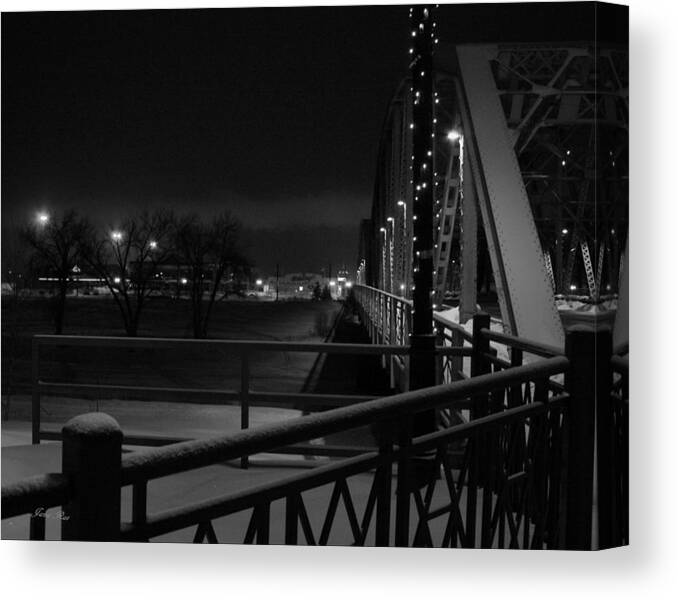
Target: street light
column 117, row 236
column 453, row 135
column 259, row 282
column 42, row 218
column 153, row 245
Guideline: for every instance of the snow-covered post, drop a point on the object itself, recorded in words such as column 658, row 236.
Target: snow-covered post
column 91, row 458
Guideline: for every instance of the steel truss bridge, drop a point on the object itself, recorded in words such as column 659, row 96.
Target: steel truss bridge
column 530, row 449
column 530, row 160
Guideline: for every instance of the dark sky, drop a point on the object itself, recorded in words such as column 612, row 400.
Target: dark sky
column 274, row 114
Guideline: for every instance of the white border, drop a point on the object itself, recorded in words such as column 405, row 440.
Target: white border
column 646, row 569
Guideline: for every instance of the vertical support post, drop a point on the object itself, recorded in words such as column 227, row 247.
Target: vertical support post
column 469, row 243
column 263, row 519
column 36, row 528
column 383, row 476
column 139, row 497
column 479, row 362
column 605, row 432
column 585, row 350
column 91, row 459
column 423, row 357
column 291, row 519
column 35, row 400
column 244, row 399
column 404, row 485
column 480, row 403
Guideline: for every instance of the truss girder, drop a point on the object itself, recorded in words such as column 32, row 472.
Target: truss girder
column 524, row 287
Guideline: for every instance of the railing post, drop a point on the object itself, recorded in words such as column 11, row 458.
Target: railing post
column 589, row 355
column 383, row 476
column 605, row 432
column 35, row 402
column 481, row 345
column 480, row 404
column 244, row 399
column 404, row 484
column 91, row 458
column 479, row 363
column 440, row 359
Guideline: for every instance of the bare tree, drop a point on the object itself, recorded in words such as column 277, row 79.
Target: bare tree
column 128, row 259
column 56, row 249
column 209, row 251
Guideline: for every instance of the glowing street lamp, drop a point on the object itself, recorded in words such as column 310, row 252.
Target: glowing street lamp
column 184, row 281
column 453, row 135
column 116, row 280
column 117, row 236
column 259, row 282
column 42, row 218
column 153, row 245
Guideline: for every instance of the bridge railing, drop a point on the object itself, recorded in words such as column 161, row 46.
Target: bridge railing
column 388, row 317
column 496, row 481
column 244, row 396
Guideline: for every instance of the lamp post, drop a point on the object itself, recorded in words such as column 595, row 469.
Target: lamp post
column 383, row 259
column 391, row 220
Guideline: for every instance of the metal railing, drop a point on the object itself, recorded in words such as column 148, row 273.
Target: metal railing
column 518, row 472
column 496, row 481
column 601, row 408
column 388, row 317
column 244, row 396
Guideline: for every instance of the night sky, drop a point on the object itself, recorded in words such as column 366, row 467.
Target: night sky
column 274, row 114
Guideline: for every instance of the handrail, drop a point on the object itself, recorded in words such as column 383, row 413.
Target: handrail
column 382, row 292
column 454, row 326
column 251, row 345
column 523, row 344
column 32, row 493
column 159, row 462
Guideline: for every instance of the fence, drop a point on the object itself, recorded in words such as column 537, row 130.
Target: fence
column 388, row 319
column 505, row 492
column 517, row 472
column 245, row 396
column 599, row 373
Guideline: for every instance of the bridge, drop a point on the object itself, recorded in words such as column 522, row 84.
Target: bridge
column 502, row 174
